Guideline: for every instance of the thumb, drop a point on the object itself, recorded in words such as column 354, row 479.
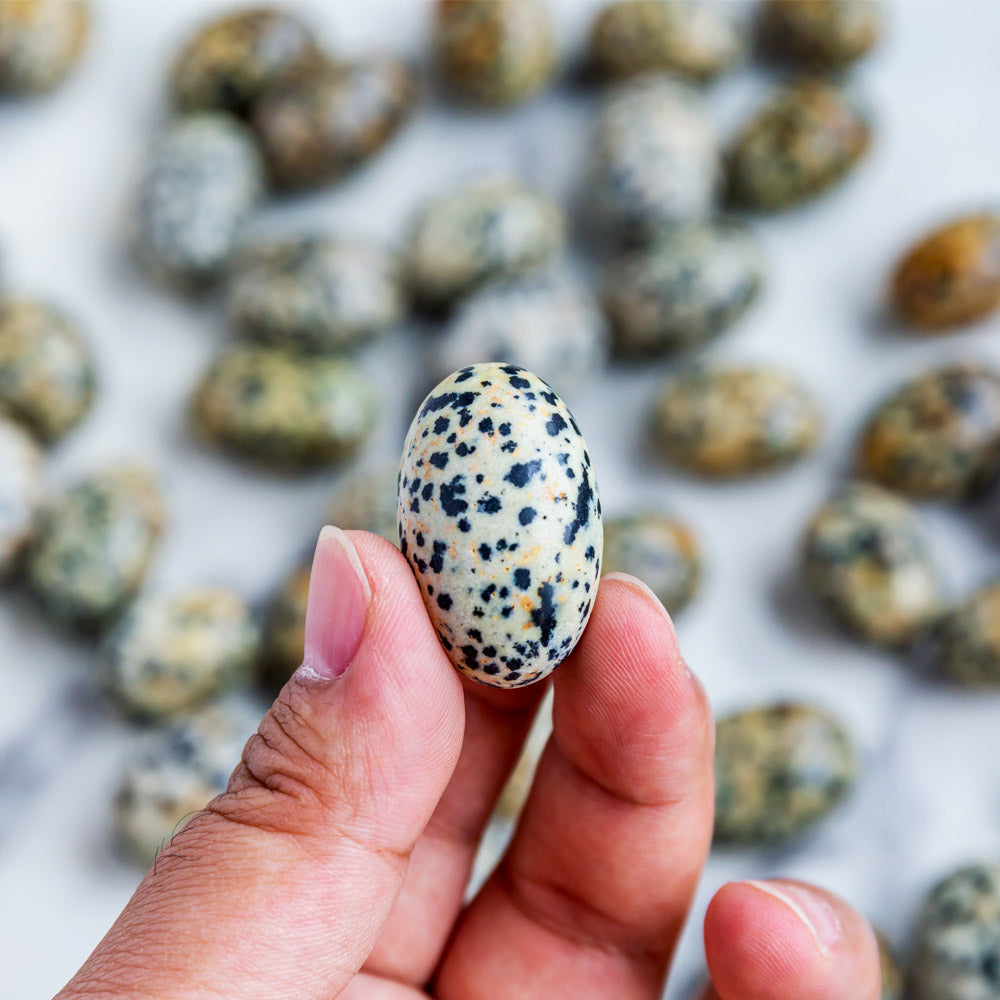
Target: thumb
column 281, row 886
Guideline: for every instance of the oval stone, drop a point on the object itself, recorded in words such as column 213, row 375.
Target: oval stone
column 500, row 520
column 867, row 557
column 314, row 293
column 734, row 422
column 173, row 652
column 689, row 285
column 493, row 227
column 819, row 34
column 284, row 409
column 952, row 275
column 804, row 139
column 41, row 41
column 94, row 544
column 779, row 770
column 936, row 436
column 47, row 378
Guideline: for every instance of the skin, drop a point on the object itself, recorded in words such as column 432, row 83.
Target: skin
column 336, row 861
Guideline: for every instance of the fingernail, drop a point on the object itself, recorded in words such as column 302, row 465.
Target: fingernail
column 810, row 907
column 643, row 588
column 339, row 596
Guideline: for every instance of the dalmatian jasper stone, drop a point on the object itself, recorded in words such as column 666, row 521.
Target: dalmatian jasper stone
column 819, row 34
column 366, row 501
column 936, row 436
column 41, row 41
column 93, row 545
column 285, row 627
column 47, row 378
column 659, row 550
column 173, row 652
column 283, row 409
column 176, row 774
column 314, row 293
column 868, row 559
column 970, row 640
column 779, row 770
column 500, row 520
column 689, row 285
column 493, row 227
column 699, row 41
column 494, row 54
column 656, row 158
column 202, row 180
column 20, row 492
column 956, row 953
column 235, row 59
column 548, row 322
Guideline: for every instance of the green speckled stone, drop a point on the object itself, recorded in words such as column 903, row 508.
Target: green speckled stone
column 94, row 544
column 956, row 948
column 173, row 652
column 202, row 180
column 659, row 550
column 175, row 774
column 938, row 435
column 314, row 293
column 333, row 118
column 366, row 501
column 970, row 640
column 491, row 53
column 804, row 139
column 284, row 409
column 699, row 41
column 493, row 227
column 41, row 41
column 819, row 34
column 235, row 59
column 867, row 557
column 778, row 771
column 284, row 629
column 47, row 378
column 688, row 286
column 20, row 492
column 655, row 158
column 734, row 422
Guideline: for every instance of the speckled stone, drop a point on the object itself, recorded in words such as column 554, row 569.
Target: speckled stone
column 500, row 520
column 491, row 53
column 689, row 285
column 94, row 544
column 284, row 409
column 20, row 492
column 734, row 421
column 867, row 557
column 892, row 974
column 804, row 139
column 285, row 627
column 778, row 770
column 936, row 436
column 314, row 293
column 332, row 119
column 956, row 950
column 951, row 276
column 175, row 775
column 41, row 41
column 202, row 180
column 655, row 159
column 698, row 41
column 366, row 501
column 549, row 323
column 819, row 34
column 493, row 227
column 47, row 378
column 173, row 652
column 659, row 550
column 233, row 60
column 970, row 640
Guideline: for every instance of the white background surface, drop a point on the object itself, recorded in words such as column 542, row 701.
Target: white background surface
column 930, row 794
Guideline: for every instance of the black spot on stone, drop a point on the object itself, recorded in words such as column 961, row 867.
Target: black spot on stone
column 509, row 446
column 490, row 651
column 522, row 579
column 444, row 602
column 486, row 426
column 451, row 438
column 521, row 473
column 486, row 594
column 555, row 424
column 485, row 552
column 439, row 459
column 475, row 635
column 441, row 425
column 589, row 553
column 437, row 560
column 463, row 449
column 491, row 668
column 420, row 539
column 427, row 492
column 527, row 515
column 464, row 526
column 584, row 496
column 489, row 505
column 504, row 429
column 543, row 617
column 451, row 497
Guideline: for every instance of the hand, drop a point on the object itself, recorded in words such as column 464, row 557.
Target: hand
column 335, row 863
